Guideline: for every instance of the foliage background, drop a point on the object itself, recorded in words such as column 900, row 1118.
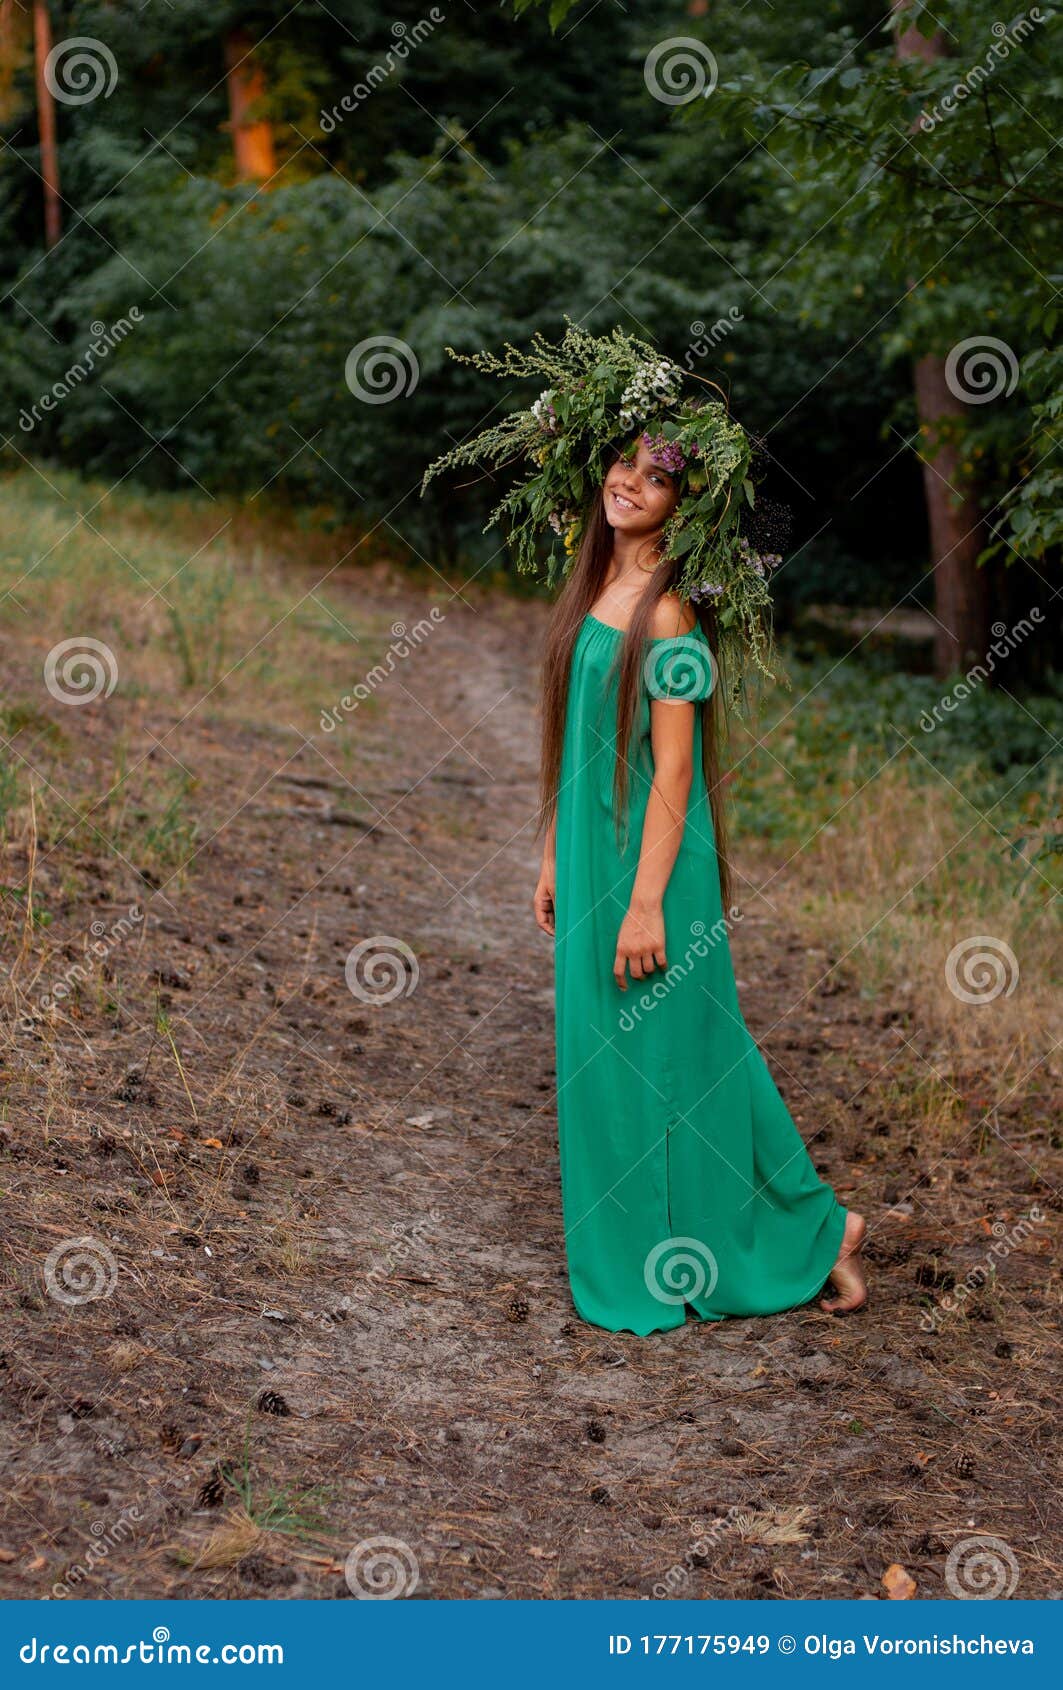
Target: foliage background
column 503, row 174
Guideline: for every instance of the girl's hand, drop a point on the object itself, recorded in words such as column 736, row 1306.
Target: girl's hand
column 543, row 901
column 640, row 945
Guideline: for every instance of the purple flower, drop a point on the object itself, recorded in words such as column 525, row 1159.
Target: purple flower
column 704, row 591
column 667, row 453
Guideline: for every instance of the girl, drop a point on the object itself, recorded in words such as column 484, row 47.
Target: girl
column 685, row 1184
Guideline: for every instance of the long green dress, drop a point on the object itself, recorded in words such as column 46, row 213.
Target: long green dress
column 685, row 1183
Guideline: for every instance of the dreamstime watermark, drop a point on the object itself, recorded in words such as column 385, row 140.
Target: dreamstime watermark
column 981, row 969
column 980, row 369
column 703, row 941
column 981, row 1569
column 705, row 337
column 380, row 969
column 102, row 940
column 160, row 1651
column 679, row 1269
column 406, row 37
column 380, row 1569
column 404, row 640
column 381, row 368
column 1007, row 37
column 679, row 70
column 679, row 671
column 80, row 1270
column 80, row 69
column 408, row 1239
column 1005, row 641
column 983, row 1272
column 99, row 348
column 679, row 1574
column 104, row 1538
column 80, row 670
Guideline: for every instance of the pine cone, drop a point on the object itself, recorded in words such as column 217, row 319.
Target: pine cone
column 596, row 1431
column 517, row 1309
column 211, row 1492
column 271, row 1402
column 964, row 1464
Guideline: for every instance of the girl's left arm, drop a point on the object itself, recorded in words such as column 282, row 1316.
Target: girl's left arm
column 640, row 944
column 543, row 902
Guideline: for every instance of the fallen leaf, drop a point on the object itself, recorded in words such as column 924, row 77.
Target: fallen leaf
column 900, row 1586
column 211, row 1143
column 7, row 1554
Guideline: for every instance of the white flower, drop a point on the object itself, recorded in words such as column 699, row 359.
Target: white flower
column 543, row 411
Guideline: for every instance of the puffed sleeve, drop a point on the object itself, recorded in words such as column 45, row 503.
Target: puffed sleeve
column 680, row 669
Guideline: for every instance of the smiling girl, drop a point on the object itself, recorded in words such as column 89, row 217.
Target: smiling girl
column 685, row 1183
column 686, row 1187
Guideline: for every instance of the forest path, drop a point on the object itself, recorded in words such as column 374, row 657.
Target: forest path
column 341, row 1311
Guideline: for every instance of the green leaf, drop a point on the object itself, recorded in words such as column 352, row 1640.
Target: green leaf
column 682, row 542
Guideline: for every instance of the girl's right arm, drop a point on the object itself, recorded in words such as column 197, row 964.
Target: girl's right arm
column 543, row 902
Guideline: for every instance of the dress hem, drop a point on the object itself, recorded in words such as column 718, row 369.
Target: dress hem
column 705, row 1317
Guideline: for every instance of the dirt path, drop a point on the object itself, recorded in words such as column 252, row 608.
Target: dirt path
column 341, row 1311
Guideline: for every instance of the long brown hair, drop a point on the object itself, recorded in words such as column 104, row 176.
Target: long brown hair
column 582, row 589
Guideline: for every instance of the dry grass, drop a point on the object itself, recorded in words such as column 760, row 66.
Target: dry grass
column 195, row 601
column 905, row 875
column 774, row 1525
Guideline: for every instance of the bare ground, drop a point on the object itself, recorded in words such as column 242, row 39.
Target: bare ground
column 341, row 1309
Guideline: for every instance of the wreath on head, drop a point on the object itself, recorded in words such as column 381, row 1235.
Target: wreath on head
column 604, row 393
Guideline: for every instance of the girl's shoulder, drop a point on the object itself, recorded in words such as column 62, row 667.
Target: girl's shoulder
column 672, row 617
column 679, row 668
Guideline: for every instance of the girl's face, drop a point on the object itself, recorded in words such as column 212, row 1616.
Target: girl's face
column 639, row 495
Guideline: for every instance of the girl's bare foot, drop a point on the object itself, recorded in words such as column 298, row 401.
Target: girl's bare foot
column 847, row 1274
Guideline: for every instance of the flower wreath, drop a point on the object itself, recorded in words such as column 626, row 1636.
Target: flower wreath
column 604, row 391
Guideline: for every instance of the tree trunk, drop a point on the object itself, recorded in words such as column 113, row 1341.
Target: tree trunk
column 957, row 536
column 12, row 30
column 252, row 137
column 42, row 42
column 954, row 520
